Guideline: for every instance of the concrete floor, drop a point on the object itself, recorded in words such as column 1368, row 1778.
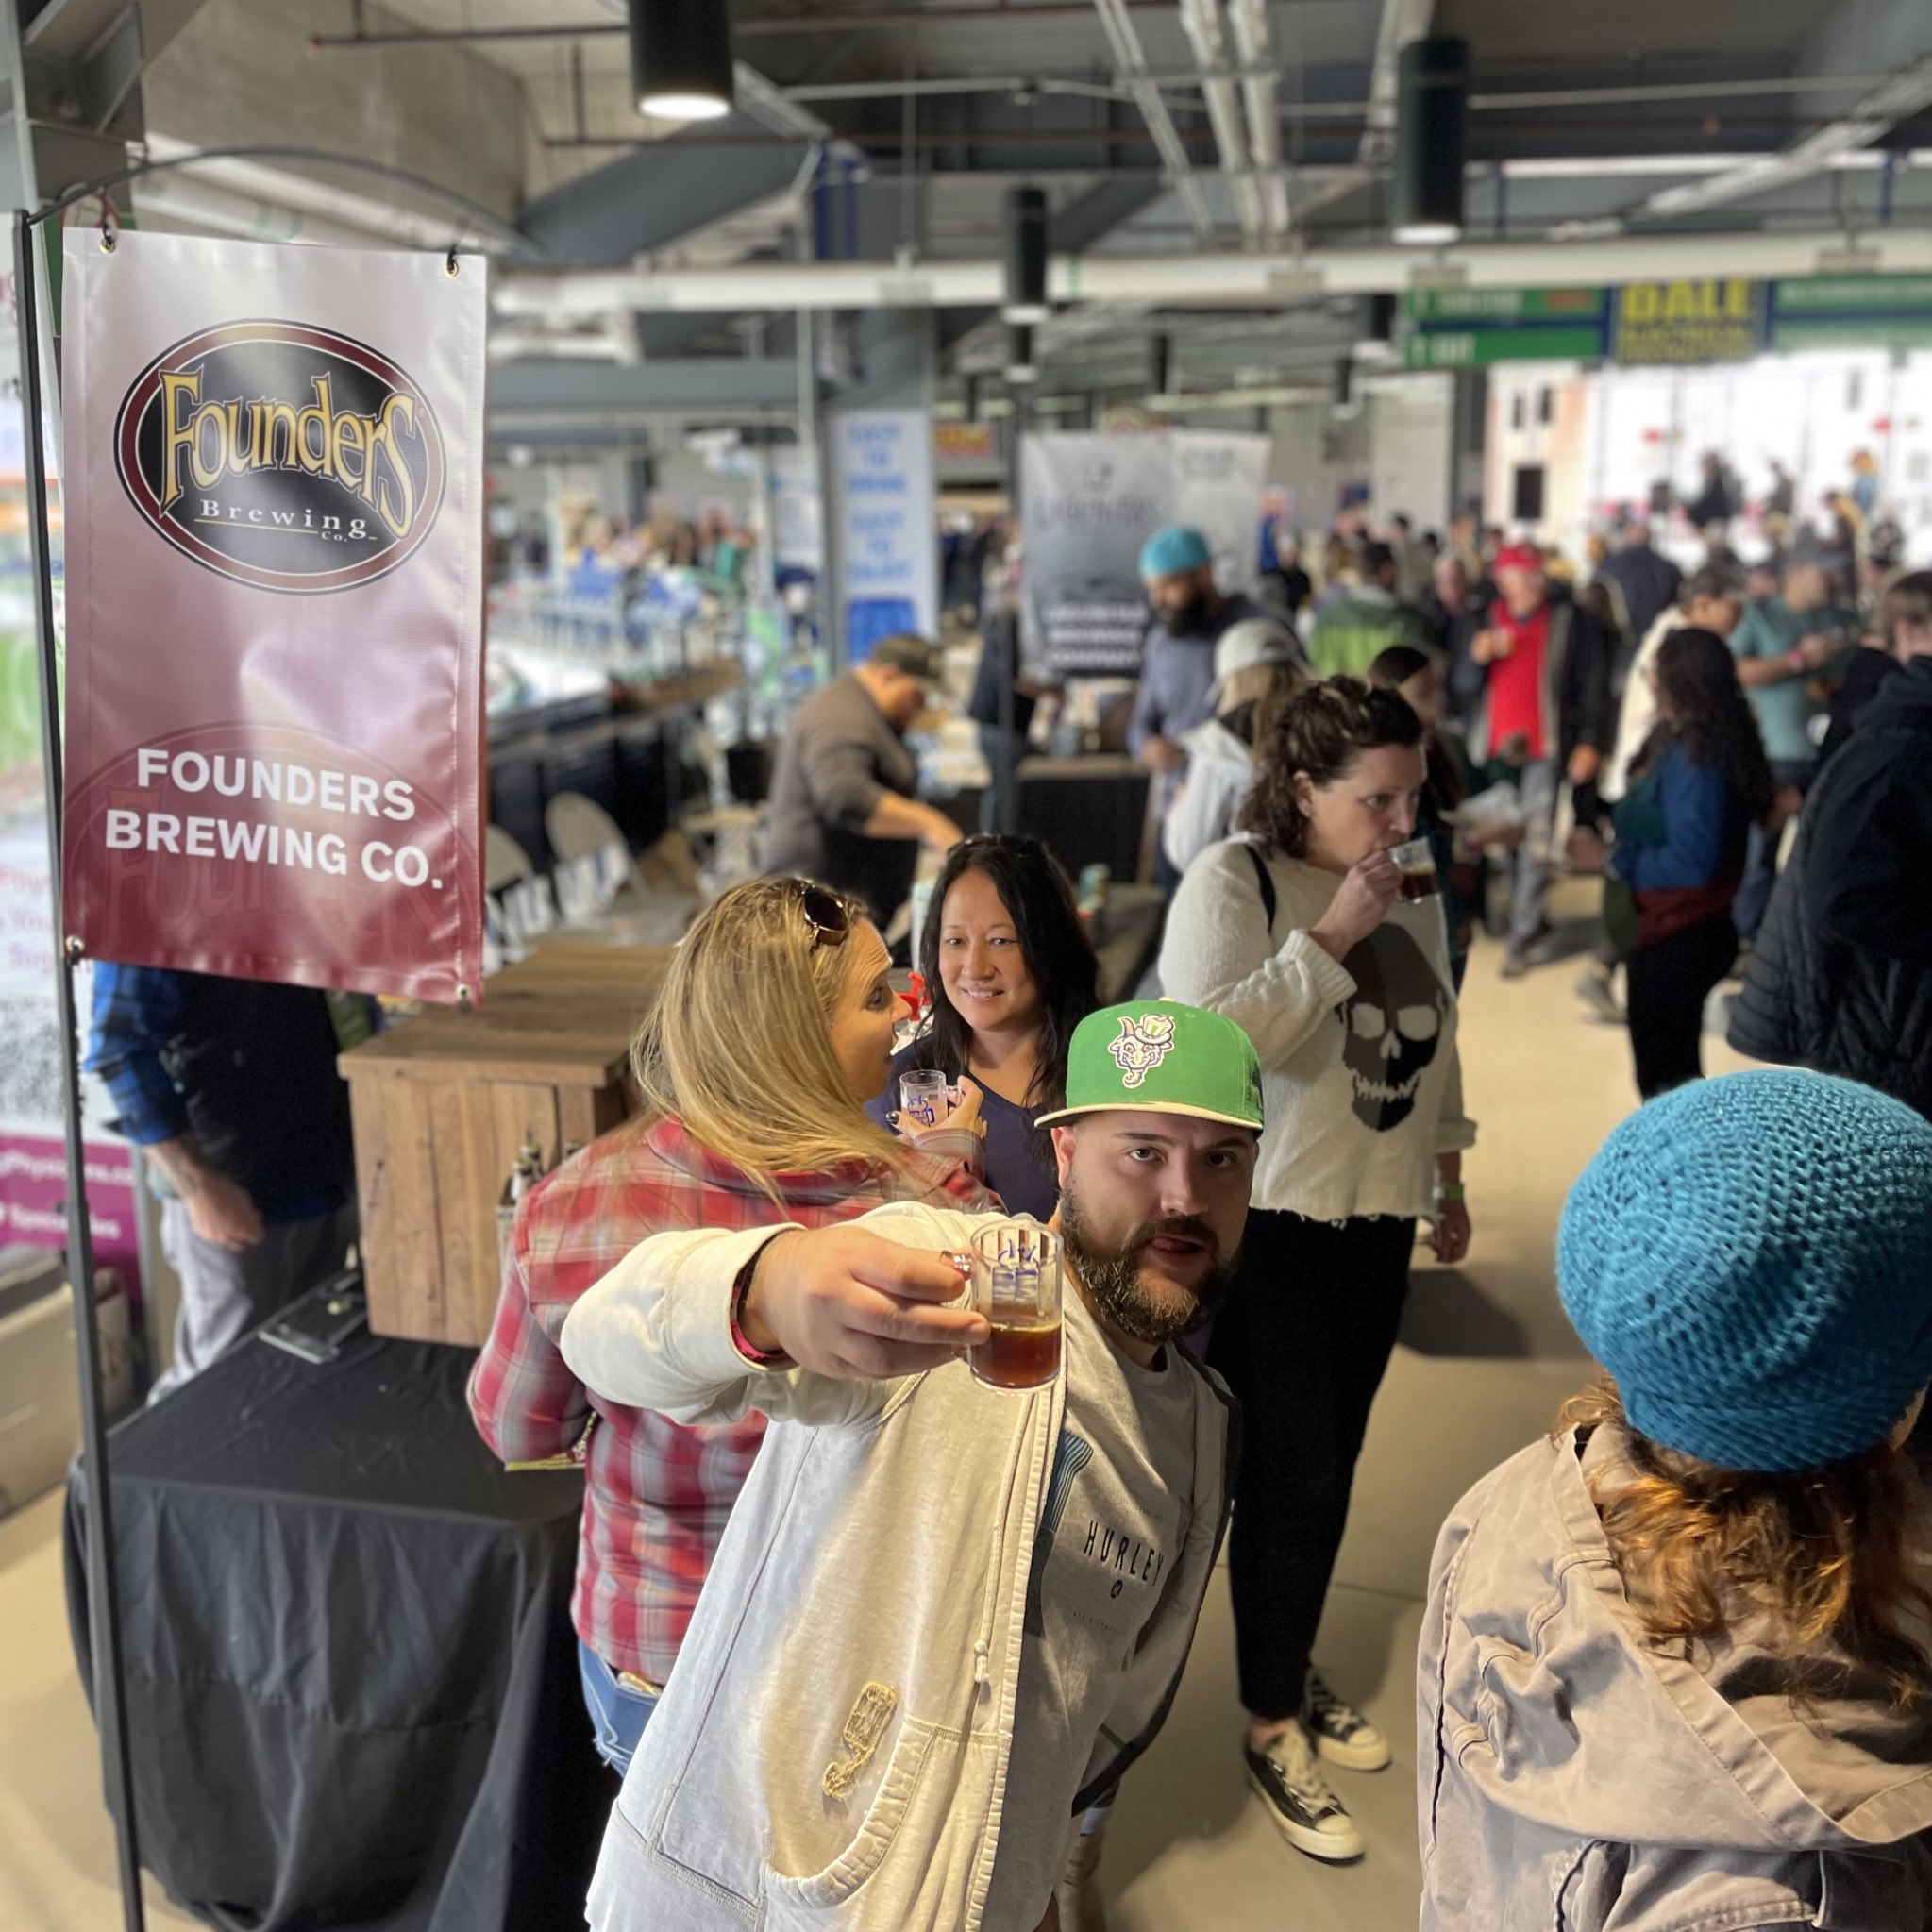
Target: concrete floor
column 1485, row 1358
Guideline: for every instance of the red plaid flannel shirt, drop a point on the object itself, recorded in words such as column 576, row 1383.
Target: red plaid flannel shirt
column 657, row 1494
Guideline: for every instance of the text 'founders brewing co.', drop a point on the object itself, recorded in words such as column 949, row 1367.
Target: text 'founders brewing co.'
column 282, row 456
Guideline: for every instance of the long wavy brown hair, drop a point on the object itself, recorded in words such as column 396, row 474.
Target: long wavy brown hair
column 1826, row 1553
column 1704, row 708
column 1323, row 729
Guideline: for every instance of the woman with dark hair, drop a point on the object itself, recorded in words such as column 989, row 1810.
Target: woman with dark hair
column 1416, row 675
column 1298, row 933
column 1675, row 1668
column 1011, row 973
column 1696, row 789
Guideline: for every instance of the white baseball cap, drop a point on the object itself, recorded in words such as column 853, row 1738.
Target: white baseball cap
column 1254, row 641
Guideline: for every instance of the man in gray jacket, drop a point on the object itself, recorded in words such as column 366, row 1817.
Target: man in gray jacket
column 945, row 1618
column 844, row 809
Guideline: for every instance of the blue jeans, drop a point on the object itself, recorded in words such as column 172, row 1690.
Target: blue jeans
column 1541, row 786
column 618, row 1713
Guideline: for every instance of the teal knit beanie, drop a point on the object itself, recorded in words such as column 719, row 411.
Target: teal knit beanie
column 1750, row 1257
column 1169, row 551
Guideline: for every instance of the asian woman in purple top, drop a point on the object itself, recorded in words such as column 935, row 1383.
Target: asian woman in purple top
column 1010, row 972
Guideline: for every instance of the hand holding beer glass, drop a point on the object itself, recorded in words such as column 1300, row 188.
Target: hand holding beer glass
column 1015, row 1286
column 1416, row 865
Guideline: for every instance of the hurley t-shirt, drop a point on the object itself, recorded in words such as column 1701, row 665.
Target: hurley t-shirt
column 1111, row 1527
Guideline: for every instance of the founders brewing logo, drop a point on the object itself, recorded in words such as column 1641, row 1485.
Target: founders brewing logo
column 282, row 456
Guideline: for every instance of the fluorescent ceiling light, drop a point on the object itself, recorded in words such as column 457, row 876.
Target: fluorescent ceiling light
column 683, row 107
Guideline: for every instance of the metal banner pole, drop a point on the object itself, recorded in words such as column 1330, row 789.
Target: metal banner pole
column 104, row 1606
column 1006, row 773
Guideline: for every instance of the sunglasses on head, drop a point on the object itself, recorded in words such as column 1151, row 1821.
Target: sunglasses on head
column 825, row 913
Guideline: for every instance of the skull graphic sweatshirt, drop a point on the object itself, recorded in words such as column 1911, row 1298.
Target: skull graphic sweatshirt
column 1360, row 1077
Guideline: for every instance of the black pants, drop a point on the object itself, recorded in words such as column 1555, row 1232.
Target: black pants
column 1305, row 1339
column 1670, row 981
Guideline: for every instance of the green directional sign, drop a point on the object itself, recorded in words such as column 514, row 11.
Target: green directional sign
column 1476, row 348
column 1727, row 319
column 1438, row 308
column 1471, row 328
column 1852, row 312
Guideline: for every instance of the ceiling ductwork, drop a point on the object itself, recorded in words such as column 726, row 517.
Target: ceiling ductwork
column 1201, row 21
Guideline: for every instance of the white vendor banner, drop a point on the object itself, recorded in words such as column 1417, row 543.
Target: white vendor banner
column 1089, row 502
column 888, row 535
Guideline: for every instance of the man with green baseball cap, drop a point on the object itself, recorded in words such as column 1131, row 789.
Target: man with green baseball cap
column 980, row 1597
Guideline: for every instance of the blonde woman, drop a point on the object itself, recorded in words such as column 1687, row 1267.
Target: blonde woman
column 773, row 1030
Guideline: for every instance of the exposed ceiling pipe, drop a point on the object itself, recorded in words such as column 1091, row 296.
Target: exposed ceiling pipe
column 1402, row 22
column 1201, row 21
column 201, row 204
column 334, row 205
column 1897, row 99
column 1124, row 39
column 537, row 345
column 1231, row 279
column 1254, row 47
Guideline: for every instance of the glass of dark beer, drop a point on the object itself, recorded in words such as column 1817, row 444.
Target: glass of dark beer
column 1416, row 865
column 1016, row 1287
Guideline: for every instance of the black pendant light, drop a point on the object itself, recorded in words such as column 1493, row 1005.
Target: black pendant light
column 1430, row 142
column 1376, row 342
column 1163, row 366
column 680, row 59
column 1026, row 256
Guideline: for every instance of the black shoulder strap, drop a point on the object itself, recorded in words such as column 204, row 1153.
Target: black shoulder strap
column 1265, row 879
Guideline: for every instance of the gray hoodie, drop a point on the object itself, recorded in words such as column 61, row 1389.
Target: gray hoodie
column 1221, row 770
column 1574, row 1778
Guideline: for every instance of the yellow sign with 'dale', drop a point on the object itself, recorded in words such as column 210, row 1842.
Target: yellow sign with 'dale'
column 1720, row 321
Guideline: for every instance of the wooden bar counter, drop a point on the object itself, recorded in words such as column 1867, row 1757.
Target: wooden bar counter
column 444, row 1100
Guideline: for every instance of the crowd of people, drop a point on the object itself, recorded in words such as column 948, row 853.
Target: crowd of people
column 874, row 1644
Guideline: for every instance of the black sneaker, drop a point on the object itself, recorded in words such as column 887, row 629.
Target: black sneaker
column 1342, row 1735
column 1304, row 1808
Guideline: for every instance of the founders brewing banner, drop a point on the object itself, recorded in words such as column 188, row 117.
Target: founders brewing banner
column 275, row 515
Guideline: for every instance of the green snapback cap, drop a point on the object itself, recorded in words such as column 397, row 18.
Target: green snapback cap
column 1162, row 1057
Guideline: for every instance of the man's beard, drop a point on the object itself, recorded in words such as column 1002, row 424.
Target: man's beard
column 1190, row 618
column 1112, row 1274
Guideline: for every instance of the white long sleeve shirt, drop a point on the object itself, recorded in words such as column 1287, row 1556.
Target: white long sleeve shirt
column 1360, row 1075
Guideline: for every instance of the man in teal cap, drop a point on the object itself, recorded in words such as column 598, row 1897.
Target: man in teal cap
column 945, row 1618
column 1177, row 662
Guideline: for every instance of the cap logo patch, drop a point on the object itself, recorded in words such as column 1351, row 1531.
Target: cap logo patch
column 1144, row 1043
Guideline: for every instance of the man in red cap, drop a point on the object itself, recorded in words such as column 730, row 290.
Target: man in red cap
column 1536, row 687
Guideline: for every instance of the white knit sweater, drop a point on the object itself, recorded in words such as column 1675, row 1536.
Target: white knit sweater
column 1361, row 1080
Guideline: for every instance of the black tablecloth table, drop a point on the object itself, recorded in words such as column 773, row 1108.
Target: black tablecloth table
column 353, row 1695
